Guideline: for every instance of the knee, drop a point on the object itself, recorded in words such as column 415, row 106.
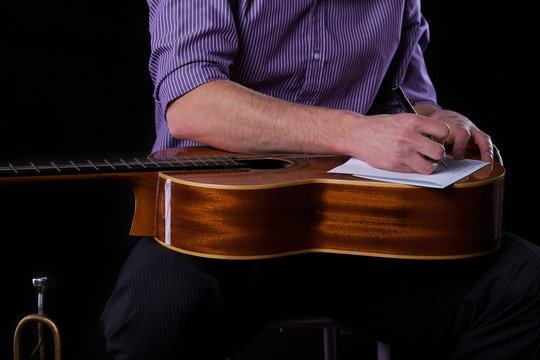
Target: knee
column 160, row 308
column 523, row 265
column 519, row 290
column 159, row 325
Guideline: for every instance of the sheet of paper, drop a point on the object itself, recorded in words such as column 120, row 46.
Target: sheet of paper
column 441, row 177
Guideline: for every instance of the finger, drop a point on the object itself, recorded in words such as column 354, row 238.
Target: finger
column 484, row 144
column 422, row 165
column 435, row 129
column 483, row 173
column 412, row 162
column 497, row 155
column 430, row 148
column 461, row 142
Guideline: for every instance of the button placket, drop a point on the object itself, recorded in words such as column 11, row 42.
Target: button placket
column 315, row 64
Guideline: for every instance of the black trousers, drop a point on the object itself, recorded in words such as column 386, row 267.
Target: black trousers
column 168, row 305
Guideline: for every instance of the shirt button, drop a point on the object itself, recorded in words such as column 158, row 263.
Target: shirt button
column 316, row 55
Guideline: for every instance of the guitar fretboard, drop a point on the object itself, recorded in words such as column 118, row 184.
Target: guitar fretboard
column 70, row 167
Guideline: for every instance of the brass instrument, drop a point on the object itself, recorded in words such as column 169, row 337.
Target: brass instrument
column 40, row 284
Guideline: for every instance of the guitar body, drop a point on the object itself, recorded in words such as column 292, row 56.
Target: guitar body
column 290, row 204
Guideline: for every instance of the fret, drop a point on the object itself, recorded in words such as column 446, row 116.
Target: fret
column 215, row 162
column 100, row 165
column 203, row 162
column 173, row 163
column 168, row 162
column 92, row 164
column 75, row 166
column 7, row 170
column 56, row 167
column 192, row 162
column 219, row 162
column 34, row 166
column 108, row 163
column 156, row 164
column 126, row 164
column 140, row 163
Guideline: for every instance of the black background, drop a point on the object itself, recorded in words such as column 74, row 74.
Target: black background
column 76, row 85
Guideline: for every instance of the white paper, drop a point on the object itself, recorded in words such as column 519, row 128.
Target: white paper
column 440, row 178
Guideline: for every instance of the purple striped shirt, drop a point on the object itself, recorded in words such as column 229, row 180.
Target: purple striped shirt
column 330, row 53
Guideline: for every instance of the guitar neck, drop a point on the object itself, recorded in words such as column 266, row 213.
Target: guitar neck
column 107, row 166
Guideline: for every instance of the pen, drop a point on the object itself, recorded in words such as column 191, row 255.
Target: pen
column 407, row 107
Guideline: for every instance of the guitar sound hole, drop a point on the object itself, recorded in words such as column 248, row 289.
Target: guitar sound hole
column 266, row 164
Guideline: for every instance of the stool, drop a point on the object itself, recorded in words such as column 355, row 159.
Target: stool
column 329, row 328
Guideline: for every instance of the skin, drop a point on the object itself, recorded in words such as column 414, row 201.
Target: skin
column 229, row 116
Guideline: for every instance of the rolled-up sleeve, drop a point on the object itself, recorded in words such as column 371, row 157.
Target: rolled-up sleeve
column 408, row 68
column 192, row 42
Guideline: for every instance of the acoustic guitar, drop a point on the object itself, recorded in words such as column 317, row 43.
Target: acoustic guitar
column 211, row 203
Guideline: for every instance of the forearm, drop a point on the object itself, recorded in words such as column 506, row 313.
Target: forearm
column 228, row 116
